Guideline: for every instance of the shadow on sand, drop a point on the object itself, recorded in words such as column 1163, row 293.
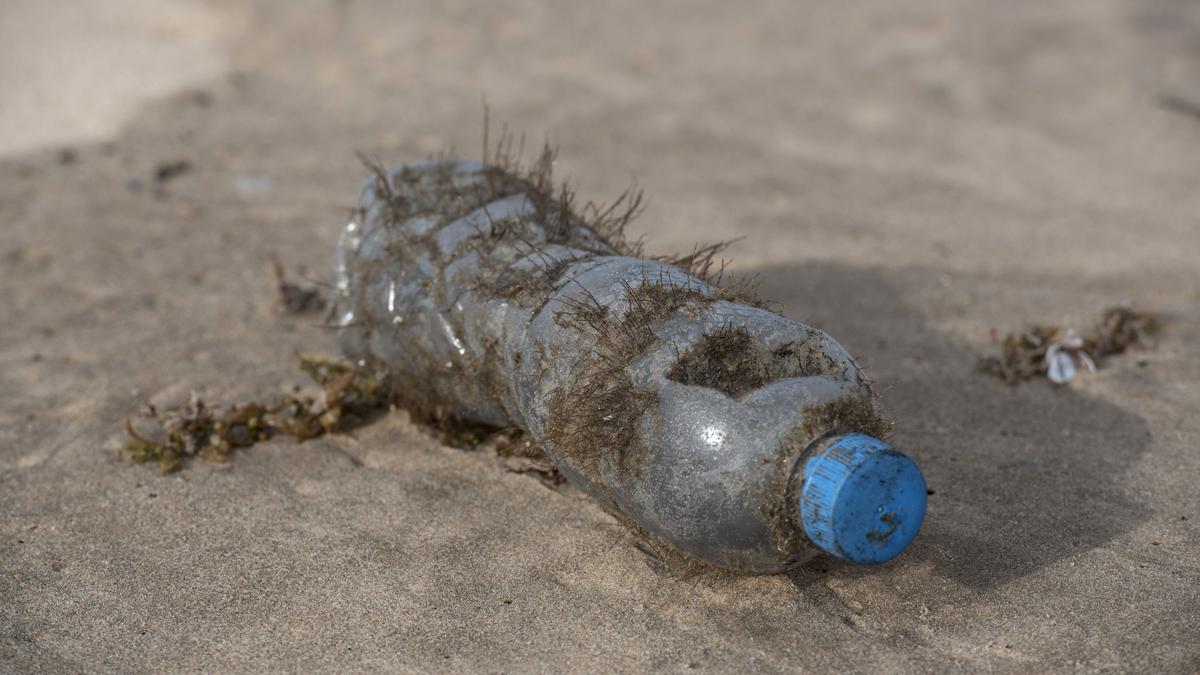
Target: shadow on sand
column 1022, row 476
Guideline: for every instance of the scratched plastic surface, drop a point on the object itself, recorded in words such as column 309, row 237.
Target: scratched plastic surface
column 717, row 476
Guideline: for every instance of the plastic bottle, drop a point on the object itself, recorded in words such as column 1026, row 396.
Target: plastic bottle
column 730, row 432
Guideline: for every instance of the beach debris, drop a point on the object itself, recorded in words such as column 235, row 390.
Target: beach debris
column 170, row 436
column 297, row 298
column 349, row 396
column 696, row 416
column 169, row 170
column 1060, row 353
column 1063, row 353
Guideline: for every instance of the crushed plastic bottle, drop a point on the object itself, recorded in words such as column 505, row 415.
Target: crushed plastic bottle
column 732, row 433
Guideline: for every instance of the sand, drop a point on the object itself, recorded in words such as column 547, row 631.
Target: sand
column 80, row 70
column 907, row 177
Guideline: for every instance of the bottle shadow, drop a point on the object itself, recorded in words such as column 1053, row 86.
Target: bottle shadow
column 1020, row 476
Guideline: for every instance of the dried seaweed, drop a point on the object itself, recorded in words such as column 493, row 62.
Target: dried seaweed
column 609, row 220
column 1031, row 353
column 196, row 429
column 846, row 414
column 730, row 359
column 599, row 414
column 350, row 395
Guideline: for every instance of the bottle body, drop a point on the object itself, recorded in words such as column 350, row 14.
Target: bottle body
column 690, row 416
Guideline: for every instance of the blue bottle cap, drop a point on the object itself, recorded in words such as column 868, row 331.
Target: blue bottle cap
column 862, row 500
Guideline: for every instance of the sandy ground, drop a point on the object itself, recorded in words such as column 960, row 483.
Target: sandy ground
column 79, row 70
column 907, row 176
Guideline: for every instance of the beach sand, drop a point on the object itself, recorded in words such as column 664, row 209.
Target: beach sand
column 908, row 177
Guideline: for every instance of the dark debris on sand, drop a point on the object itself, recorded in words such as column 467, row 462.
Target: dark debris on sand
column 171, row 436
column 1031, row 352
column 297, row 298
column 350, row 395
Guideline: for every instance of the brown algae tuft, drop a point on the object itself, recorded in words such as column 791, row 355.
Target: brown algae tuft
column 350, row 396
column 599, row 414
column 195, row 429
column 732, row 360
column 1055, row 352
column 847, row 414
